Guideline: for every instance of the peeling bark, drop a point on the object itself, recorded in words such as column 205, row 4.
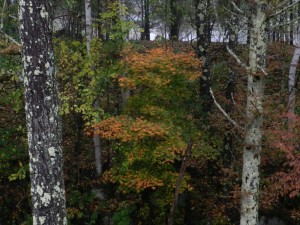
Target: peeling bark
column 254, row 116
column 42, row 117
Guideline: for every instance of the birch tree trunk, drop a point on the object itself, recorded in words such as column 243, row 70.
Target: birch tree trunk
column 89, row 36
column 292, row 81
column 254, row 115
column 42, row 117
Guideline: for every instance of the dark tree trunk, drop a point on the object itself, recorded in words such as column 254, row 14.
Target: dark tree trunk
column 203, row 40
column 176, row 17
column 291, row 39
column 42, row 117
column 230, row 89
column 146, row 24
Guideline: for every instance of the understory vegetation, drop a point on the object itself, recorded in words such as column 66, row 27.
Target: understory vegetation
column 149, row 116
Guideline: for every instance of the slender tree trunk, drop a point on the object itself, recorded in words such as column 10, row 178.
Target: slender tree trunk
column 97, row 146
column 89, row 36
column 88, row 25
column 291, row 33
column 42, row 113
column 179, row 182
column 292, row 81
column 254, row 116
column 202, row 46
column 230, row 89
column 176, row 17
column 146, row 20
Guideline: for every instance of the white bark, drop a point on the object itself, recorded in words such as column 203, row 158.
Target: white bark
column 254, row 111
column 89, row 36
column 88, row 25
column 292, row 80
column 42, row 113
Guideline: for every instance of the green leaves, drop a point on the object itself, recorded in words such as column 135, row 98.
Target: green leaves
column 20, row 174
column 113, row 22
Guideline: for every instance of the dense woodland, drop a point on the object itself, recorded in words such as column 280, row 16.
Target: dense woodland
column 103, row 123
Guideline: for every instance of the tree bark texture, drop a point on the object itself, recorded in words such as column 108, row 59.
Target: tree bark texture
column 42, row 117
column 254, row 115
column 89, row 36
column 292, row 81
column 203, row 40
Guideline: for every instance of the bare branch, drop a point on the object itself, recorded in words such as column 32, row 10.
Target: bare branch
column 286, row 24
column 236, row 14
column 262, row 70
column 237, row 8
column 10, row 38
column 223, row 111
column 238, row 60
column 13, row 17
column 283, row 3
column 284, row 9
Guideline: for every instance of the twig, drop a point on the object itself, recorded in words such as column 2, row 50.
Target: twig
column 223, row 111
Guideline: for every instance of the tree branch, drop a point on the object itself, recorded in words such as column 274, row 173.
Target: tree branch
column 284, row 9
column 262, row 70
column 223, row 111
column 10, row 38
column 236, row 7
column 239, row 61
column 286, row 24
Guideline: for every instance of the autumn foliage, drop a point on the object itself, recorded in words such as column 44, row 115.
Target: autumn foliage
column 153, row 130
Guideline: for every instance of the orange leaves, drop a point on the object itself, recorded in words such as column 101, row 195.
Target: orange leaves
column 140, row 182
column 157, row 66
column 126, row 129
column 126, row 82
column 136, row 181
